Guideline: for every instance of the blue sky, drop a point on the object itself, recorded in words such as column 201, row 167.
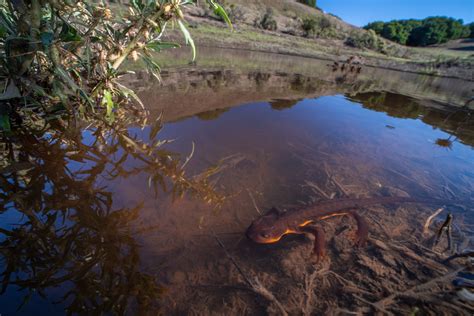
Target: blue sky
column 360, row 12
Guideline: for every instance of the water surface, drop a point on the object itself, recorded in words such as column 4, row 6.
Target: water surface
column 278, row 136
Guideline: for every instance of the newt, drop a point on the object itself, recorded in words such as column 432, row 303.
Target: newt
column 271, row 227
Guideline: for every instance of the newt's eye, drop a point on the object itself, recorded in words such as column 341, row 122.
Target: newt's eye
column 265, row 235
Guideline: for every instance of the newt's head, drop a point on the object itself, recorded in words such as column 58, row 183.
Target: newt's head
column 268, row 228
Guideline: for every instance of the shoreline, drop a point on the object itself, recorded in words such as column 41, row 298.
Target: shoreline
column 302, row 55
column 431, row 61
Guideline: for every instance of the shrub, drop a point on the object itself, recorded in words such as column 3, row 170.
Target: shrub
column 68, row 54
column 235, row 13
column 267, row 22
column 324, row 23
column 368, row 40
column 309, row 26
column 317, row 26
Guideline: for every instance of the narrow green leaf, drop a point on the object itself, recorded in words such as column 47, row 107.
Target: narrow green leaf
column 137, row 4
column 5, row 123
column 109, row 103
column 220, row 11
column 69, row 33
column 187, row 37
column 70, row 82
column 152, row 67
column 3, row 31
column 7, row 21
column 129, row 92
column 155, row 128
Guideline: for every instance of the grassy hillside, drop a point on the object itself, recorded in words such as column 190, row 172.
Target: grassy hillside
column 289, row 15
column 290, row 27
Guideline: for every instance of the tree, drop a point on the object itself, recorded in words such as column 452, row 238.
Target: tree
column 432, row 30
column 471, row 29
column 396, row 32
column 377, row 26
column 311, row 3
column 455, row 28
column 466, row 31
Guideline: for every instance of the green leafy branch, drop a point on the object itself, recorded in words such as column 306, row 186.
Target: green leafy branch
column 59, row 54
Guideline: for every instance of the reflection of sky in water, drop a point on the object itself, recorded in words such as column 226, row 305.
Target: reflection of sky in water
column 343, row 126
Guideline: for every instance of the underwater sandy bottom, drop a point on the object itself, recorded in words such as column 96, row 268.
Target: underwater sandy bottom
column 318, row 149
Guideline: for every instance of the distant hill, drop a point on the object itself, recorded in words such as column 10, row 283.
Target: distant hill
column 288, row 15
column 292, row 27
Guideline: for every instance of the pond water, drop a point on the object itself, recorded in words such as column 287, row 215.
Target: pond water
column 281, row 132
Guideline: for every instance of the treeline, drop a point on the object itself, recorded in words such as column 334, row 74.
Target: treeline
column 429, row 31
column 311, row 3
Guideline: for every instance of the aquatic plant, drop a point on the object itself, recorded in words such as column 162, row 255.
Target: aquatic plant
column 61, row 55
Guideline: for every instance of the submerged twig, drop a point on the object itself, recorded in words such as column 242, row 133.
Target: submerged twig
column 339, row 186
column 413, row 291
column 317, row 188
column 426, row 227
column 254, row 203
column 459, row 255
column 309, row 288
column 255, row 285
column 445, row 228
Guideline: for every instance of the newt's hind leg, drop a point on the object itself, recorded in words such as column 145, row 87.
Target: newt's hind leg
column 319, row 247
column 362, row 233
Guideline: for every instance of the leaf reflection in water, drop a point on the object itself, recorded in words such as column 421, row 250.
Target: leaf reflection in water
column 67, row 233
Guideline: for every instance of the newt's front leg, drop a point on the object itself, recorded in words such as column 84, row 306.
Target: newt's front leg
column 362, row 233
column 319, row 247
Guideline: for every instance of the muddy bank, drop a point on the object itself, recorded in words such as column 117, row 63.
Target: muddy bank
column 457, row 69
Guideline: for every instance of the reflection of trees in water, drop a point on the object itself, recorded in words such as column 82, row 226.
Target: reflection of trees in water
column 456, row 122
column 67, row 232
column 282, row 104
column 395, row 105
column 211, row 115
column 445, row 142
